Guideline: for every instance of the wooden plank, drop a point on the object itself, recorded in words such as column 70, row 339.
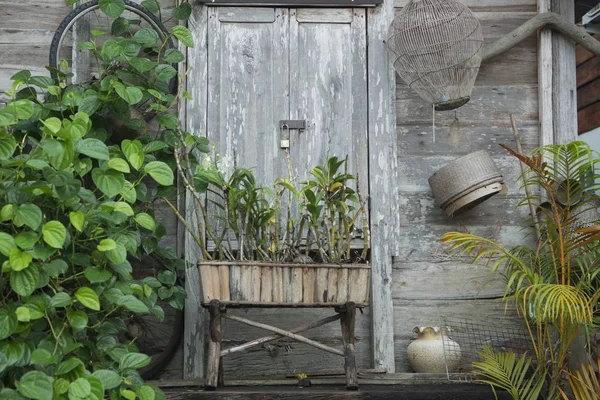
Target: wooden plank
column 278, row 284
column 588, row 94
column 421, row 243
column 582, row 55
column 545, row 79
column 564, row 86
column 308, row 285
column 444, row 280
column 193, row 366
column 38, row 15
column 24, row 47
column 342, row 286
column 328, row 15
column 589, row 117
column 588, row 71
column 490, row 103
column 382, row 178
column 241, row 14
column 285, row 357
column 422, row 208
column 460, row 135
column 266, row 284
column 332, row 286
column 334, row 391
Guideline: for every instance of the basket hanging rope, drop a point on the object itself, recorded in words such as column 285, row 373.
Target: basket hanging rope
column 436, row 47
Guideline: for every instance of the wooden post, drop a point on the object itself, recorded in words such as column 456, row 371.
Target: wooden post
column 347, row 321
column 383, row 183
column 194, row 116
column 564, row 85
column 214, row 346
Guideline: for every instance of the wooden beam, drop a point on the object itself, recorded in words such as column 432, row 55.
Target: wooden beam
column 383, row 182
column 285, row 333
column 193, row 346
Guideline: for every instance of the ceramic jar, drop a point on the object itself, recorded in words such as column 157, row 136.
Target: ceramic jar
column 433, row 351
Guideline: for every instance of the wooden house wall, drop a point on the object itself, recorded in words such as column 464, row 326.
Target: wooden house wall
column 26, row 30
column 588, row 90
column 430, row 285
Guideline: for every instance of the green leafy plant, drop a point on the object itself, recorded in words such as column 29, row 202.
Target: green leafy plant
column 554, row 282
column 74, row 210
column 246, row 221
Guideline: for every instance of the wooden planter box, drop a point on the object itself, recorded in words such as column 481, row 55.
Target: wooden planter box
column 284, row 283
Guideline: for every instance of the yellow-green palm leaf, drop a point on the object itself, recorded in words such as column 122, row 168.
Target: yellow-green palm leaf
column 556, row 302
column 504, row 371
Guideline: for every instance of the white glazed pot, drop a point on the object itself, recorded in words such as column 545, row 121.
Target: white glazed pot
column 433, row 351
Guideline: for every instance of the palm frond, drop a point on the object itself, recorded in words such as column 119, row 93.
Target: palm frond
column 504, row 371
column 585, row 383
column 556, row 302
column 478, row 248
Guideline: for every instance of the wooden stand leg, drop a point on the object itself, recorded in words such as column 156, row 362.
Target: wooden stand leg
column 348, row 318
column 221, row 381
column 214, row 346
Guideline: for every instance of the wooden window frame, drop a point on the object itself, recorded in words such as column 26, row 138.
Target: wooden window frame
column 295, row 3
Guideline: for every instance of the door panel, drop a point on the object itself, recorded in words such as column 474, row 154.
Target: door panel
column 247, row 86
column 329, row 88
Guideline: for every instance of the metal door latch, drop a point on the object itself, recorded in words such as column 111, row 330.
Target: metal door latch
column 285, row 125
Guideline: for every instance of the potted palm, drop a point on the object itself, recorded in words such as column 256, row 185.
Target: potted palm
column 287, row 243
column 554, row 280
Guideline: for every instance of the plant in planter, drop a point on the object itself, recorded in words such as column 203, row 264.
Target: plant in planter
column 253, row 233
column 74, row 211
column 555, row 282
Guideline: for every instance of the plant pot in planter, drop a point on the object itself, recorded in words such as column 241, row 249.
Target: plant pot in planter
column 284, row 283
column 466, row 182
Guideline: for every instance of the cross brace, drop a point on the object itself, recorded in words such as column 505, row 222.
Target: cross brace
column 345, row 313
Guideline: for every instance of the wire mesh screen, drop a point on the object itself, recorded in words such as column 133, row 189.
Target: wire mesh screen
column 436, row 47
column 468, row 336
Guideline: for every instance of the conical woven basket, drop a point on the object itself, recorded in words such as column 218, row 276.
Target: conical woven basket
column 466, row 182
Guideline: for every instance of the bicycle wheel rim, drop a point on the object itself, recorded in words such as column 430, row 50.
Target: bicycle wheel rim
column 85, row 9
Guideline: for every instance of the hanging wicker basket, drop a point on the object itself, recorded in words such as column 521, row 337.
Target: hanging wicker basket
column 466, row 182
column 436, row 48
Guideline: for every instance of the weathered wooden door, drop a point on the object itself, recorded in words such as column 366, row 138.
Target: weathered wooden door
column 272, row 64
